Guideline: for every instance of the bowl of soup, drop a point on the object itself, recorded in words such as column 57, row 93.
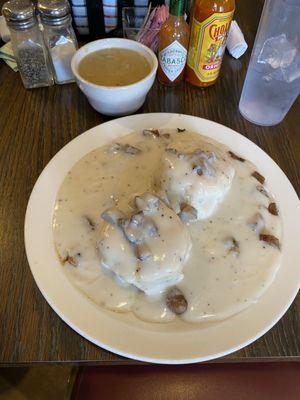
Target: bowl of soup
column 115, row 74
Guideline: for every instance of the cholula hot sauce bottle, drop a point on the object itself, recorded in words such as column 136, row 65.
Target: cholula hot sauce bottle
column 210, row 24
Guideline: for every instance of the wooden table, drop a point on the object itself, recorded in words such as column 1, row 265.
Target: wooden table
column 35, row 124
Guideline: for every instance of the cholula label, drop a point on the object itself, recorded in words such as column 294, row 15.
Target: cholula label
column 207, row 45
column 172, row 60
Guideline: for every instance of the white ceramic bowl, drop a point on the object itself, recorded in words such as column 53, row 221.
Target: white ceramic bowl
column 119, row 100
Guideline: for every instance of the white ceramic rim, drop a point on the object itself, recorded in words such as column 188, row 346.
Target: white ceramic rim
column 176, row 342
column 113, row 43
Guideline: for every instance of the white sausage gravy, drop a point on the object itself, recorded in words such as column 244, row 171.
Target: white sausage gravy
column 167, row 224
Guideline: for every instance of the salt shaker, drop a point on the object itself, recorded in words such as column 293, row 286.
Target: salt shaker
column 59, row 37
column 27, row 44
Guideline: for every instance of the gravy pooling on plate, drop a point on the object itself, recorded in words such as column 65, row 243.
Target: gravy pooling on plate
column 114, row 67
column 230, row 249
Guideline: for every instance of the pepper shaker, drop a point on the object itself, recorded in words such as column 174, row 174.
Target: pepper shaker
column 27, row 44
column 59, row 37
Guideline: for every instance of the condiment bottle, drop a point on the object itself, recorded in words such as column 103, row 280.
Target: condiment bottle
column 173, row 44
column 210, row 25
column 59, row 37
column 27, row 44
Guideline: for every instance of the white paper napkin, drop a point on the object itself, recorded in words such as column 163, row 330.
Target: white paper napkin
column 236, row 44
column 7, row 54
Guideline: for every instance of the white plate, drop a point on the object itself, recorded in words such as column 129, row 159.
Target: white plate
column 176, row 342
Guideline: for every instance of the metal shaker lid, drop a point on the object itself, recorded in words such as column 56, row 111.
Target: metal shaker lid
column 19, row 13
column 53, row 11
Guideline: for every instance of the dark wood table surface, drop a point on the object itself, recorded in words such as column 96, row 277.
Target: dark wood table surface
column 35, row 124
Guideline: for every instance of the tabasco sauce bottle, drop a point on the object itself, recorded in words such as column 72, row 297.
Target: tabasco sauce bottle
column 173, row 44
column 210, row 24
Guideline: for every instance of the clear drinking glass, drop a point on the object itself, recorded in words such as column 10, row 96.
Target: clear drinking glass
column 272, row 82
column 132, row 21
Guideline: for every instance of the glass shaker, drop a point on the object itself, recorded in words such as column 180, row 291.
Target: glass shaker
column 27, row 44
column 59, row 37
column 272, row 83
